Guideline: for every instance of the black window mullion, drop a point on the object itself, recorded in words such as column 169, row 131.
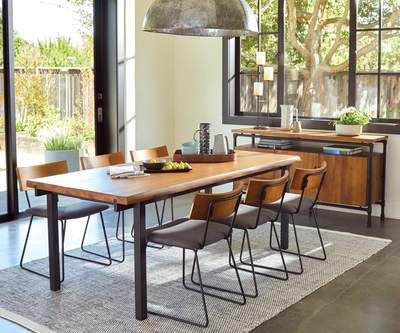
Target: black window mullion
column 281, row 57
column 378, row 96
column 352, row 53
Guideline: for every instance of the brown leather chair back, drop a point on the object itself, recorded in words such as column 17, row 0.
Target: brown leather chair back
column 38, row 171
column 148, row 154
column 223, row 205
column 265, row 191
column 102, row 160
column 308, row 179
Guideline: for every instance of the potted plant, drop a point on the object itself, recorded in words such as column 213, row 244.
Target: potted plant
column 63, row 147
column 351, row 121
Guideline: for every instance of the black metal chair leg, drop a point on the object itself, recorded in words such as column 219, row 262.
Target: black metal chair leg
column 21, row 262
column 253, row 266
column 205, row 324
column 246, row 270
column 117, row 229
column 241, row 293
column 109, row 261
column 298, row 253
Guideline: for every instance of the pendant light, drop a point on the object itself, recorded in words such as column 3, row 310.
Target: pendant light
column 210, row 18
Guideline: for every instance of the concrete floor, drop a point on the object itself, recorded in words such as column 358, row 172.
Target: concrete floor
column 365, row 299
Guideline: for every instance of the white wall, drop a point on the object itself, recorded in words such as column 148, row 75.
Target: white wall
column 154, row 85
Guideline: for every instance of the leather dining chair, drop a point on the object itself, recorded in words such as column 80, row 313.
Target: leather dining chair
column 66, row 212
column 304, row 192
column 101, row 161
column 252, row 213
column 211, row 220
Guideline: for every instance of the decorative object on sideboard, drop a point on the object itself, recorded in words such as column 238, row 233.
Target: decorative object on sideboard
column 297, row 124
column 351, row 121
column 221, row 145
column 287, row 112
column 204, row 137
column 210, row 18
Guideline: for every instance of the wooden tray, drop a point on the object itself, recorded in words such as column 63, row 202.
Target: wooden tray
column 168, row 171
column 203, row 158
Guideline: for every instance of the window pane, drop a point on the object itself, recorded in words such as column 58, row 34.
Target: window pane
column 247, row 99
column 270, row 46
column 269, row 16
column 319, row 53
column 368, row 14
column 367, row 93
column 390, row 96
column 390, row 13
column 390, row 51
column 367, row 51
column 249, row 47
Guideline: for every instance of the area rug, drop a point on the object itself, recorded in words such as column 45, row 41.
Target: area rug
column 101, row 299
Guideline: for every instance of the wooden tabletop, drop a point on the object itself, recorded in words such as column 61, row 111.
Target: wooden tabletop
column 311, row 135
column 97, row 185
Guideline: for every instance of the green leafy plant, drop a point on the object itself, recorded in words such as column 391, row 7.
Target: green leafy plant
column 63, row 142
column 353, row 116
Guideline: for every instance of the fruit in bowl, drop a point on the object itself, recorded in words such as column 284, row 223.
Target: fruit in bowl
column 177, row 166
column 154, row 164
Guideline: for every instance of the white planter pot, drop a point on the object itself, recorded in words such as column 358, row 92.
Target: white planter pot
column 349, row 130
column 71, row 156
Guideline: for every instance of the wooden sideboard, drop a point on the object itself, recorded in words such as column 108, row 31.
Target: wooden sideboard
column 356, row 181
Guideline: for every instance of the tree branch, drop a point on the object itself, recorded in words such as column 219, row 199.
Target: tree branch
column 292, row 25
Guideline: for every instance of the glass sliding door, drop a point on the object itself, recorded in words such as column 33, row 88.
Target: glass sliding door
column 126, row 74
column 54, row 80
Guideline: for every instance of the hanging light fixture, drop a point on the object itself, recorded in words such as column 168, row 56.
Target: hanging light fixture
column 212, row 18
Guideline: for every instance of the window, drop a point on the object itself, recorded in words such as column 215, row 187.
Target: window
column 326, row 55
column 378, row 60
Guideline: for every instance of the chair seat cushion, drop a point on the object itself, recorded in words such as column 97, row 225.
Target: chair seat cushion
column 188, row 234
column 246, row 217
column 71, row 211
column 291, row 203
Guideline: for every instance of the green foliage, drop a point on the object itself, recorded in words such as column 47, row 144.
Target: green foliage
column 61, row 53
column 63, row 142
column 353, row 116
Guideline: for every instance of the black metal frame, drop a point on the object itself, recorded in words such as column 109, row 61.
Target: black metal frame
column 370, row 146
column 63, row 254
column 232, row 72
column 273, row 229
column 160, row 219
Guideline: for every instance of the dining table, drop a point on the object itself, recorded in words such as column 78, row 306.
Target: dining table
column 137, row 192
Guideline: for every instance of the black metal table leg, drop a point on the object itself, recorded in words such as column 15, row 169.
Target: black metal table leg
column 140, row 261
column 54, row 253
column 284, row 231
column 383, row 199
column 369, row 185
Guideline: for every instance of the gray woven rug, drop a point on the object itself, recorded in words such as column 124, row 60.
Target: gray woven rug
column 101, row 299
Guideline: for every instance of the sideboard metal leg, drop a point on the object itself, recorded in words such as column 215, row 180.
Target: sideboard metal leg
column 369, row 185
column 383, row 195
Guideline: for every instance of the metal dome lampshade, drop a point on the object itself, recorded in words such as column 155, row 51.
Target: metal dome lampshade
column 210, row 18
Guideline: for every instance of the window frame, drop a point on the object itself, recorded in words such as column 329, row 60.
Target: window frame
column 232, row 71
